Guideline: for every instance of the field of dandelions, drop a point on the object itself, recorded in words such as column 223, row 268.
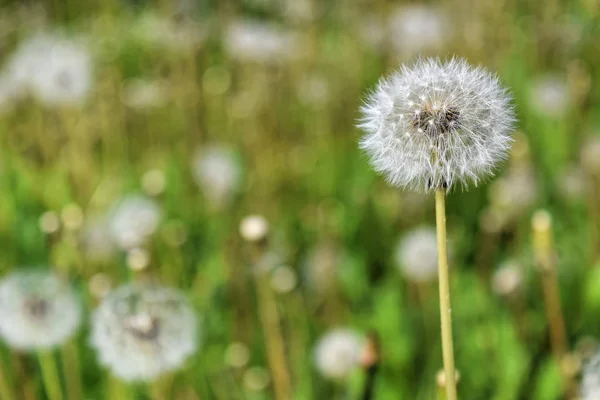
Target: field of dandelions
column 186, row 212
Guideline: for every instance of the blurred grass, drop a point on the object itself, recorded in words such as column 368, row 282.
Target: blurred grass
column 303, row 171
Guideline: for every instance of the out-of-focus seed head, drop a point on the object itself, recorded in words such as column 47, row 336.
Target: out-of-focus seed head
column 549, row 96
column 322, row 265
column 49, row 222
column 256, row 379
column 571, row 183
column 100, row 285
column 154, row 182
column 57, row 71
column 415, row 29
column 590, row 380
column 96, row 240
column 138, row 259
column 218, row 173
column 507, row 279
column 435, row 124
column 416, row 255
column 170, row 33
column 141, row 94
column 516, row 192
column 253, row 41
column 72, row 216
column 338, row 353
column 38, row 310
column 283, row 279
column 142, row 331
column 254, row 228
column 133, row 220
column 237, row 355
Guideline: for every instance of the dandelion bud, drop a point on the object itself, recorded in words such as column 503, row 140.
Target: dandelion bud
column 338, row 353
column 433, row 125
column 37, row 309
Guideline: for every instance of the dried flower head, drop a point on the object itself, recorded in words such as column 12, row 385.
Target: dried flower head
column 416, row 255
column 141, row 331
column 338, row 353
column 37, row 309
column 133, row 220
column 436, row 124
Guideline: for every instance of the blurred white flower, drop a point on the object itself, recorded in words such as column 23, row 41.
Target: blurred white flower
column 416, row 255
column 133, row 220
column 283, row 279
column 590, row 380
column 142, row 331
column 507, row 278
column 218, row 173
column 55, row 70
column 142, row 94
column 38, row 310
column 417, row 28
column 549, row 95
column 572, row 183
column 436, row 124
column 254, row 228
column 338, row 353
column 169, row 32
column 254, row 41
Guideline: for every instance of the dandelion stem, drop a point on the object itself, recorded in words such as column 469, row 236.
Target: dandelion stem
column 50, row 375
column 445, row 309
column 545, row 260
column 71, row 366
column 6, row 390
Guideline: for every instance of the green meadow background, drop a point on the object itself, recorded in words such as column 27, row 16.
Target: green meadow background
column 291, row 123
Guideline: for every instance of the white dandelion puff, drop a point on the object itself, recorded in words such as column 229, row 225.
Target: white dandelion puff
column 337, row 354
column 38, row 310
column 416, row 255
column 218, row 173
column 133, row 221
column 142, row 331
column 436, row 124
column 57, row 71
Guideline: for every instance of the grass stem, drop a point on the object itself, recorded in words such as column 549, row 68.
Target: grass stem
column 50, row 375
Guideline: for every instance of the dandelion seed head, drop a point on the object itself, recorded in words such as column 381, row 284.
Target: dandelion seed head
column 218, row 173
column 254, row 228
column 142, row 331
column 133, row 220
column 338, row 353
column 507, row 278
column 422, row 148
column 590, row 380
column 38, row 310
column 416, row 255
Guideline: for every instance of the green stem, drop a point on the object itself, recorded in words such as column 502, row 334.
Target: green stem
column 71, row 367
column 50, row 375
column 444, row 281
column 6, row 390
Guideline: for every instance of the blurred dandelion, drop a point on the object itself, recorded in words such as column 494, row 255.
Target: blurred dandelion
column 218, row 173
column 549, row 95
column 96, row 240
column 590, row 380
column 38, row 309
column 418, row 28
column 436, row 124
column 170, row 32
column 254, row 41
column 322, row 265
column 515, row 192
column 142, row 331
column 507, row 279
column 140, row 94
column 133, row 220
column 337, row 354
column 56, row 70
column 416, row 255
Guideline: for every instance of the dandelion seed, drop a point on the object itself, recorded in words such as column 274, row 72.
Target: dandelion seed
column 461, row 141
column 338, row 353
column 416, row 255
column 218, row 173
column 133, row 220
column 38, row 310
column 142, row 331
